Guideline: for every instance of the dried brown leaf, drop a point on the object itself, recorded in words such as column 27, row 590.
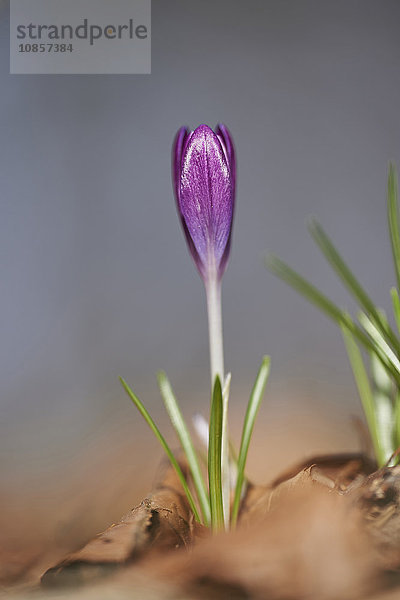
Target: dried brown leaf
column 311, row 546
column 162, row 521
column 378, row 496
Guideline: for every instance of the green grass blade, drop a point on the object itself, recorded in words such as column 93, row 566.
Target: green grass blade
column 164, row 444
column 248, row 425
column 396, row 306
column 365, row 392
column 393, row 219
column 397, row 421
column 304, row 287
column 311, row 293
column 214, row 458
column 185, row 439
column 381, row 346
column 384, row 408
column 381, row 377
column 339, row 316
column 225, row 464
column 348, row 278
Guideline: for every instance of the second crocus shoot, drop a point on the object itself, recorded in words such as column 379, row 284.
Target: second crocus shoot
column 372, row 344
column 204, row 182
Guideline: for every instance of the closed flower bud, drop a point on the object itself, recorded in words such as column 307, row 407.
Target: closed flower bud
column 204, row 174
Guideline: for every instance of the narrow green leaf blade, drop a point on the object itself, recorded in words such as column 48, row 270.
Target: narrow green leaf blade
column 381, row 347
column 248, row 426
column 185, row 439
column 384, row 409
column 397, row 421
column 339, row 316
column 225, row 463
column 214, row 458
column 311, row 293
column 393, row 219
column 396, row 306
column 365, row 392
column 304, row 287
column 164, row 444
column 348, row 278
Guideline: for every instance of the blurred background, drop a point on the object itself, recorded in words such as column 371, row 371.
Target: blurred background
column 96, row 280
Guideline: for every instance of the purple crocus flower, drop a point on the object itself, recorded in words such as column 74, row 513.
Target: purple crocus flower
column 204, row 174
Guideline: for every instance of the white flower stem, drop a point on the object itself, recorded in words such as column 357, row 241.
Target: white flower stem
column 213, row 290
column 214, row 309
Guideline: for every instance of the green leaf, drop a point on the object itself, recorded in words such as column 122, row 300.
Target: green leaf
column 248, row 426
column 396, row 306
column 393, row 218
column 225, row 463
column 311, row 293
column 349, row 279
column 381, row 348
column 214, row 458
column 164, row 444
column 365, row 392
column 185, row 439
column 381, row 377
column 384, row 410
column 339, row 316
column 397, row 421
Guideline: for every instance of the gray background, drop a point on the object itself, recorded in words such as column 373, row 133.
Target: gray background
column 95, row 277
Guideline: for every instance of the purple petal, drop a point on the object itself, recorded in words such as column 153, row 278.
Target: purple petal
column 226, row 140
column 225, row 256
column 178, row 148
column 177, row 151
column 205, row 197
